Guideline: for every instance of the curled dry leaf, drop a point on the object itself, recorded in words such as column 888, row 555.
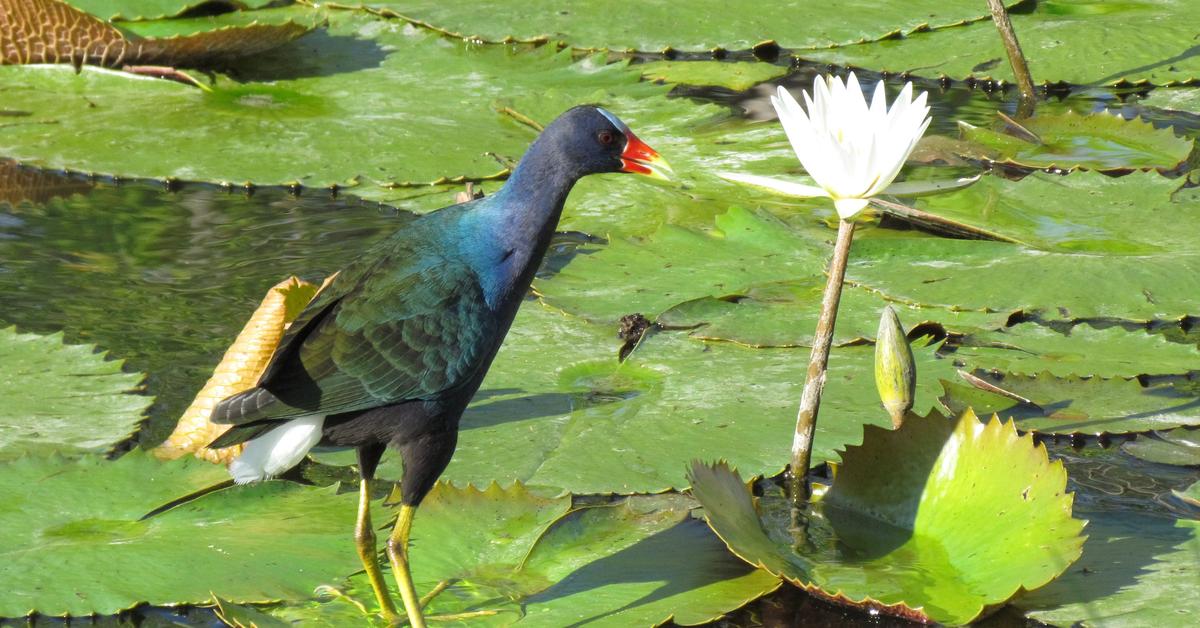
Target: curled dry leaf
column 240, row 368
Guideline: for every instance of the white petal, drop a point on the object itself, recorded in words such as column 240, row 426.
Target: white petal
column 788, row 188
column 848, row 208
column 915, row 188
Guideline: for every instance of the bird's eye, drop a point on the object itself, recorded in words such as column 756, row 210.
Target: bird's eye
column 606, row 137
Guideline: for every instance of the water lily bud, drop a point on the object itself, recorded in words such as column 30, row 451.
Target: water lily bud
column 895, row 370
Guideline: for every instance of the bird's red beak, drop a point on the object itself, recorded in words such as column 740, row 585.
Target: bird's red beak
column 639, row 158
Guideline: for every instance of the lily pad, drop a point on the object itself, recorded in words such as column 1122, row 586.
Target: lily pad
column 244, row 544
column 1084, row 42
column 558, row 410
column 1190, row 494
column 1139, row 213
column 535, row 561
column 1094, row 141
column 1029, row 348
column 1177, row 447
column 1056, row 286
column 1074, row 405
column 784, row 314
column 65, row 397
column 920, row 522
column 738, row 76
column 154, row 9
column 683, row 25
column 1136, row 570
column 625, row 276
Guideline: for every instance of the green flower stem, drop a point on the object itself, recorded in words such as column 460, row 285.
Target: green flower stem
column 810, row 401
column 1015, row 57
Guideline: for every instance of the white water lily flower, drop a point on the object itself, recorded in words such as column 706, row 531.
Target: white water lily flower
column 853, row 151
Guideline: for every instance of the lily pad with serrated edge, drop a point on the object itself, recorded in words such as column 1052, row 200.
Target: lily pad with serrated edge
column 1080, row 42
column 155, row 9
column 534, row 560
column 920, row 522
column 736, row 75
column 1177, row 447
column 1067, row 141
column 684, row 25
column 1074, row 405
column 1086, row 212
column 1029, row 348
column 64, row 397
column 77, row 546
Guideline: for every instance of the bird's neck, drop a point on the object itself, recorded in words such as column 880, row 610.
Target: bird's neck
column 519, row 222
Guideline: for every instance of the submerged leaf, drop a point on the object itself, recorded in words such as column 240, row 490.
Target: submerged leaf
column 64, row 397
column 1177, row 447
column 920, row 521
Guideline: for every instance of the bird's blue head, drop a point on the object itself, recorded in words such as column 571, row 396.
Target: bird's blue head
column 592, row 140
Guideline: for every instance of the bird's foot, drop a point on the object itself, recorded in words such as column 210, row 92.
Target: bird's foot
column 334, row 593
column 437, row 588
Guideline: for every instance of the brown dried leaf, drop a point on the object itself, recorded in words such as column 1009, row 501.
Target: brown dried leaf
column 240, row 368
column 51, row 31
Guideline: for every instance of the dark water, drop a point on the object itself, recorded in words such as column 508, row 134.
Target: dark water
column 165, row 279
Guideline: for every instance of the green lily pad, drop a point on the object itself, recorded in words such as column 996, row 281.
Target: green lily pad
column 535, row 561
column 1084, row 42
column 1136, row 570
column 65, row 397
column 920, row 521
column 625, row 276
column 1000, row 277
column 1138, row 213
column 1030, row 348
column 628, row 24
column 1074, row 405
column 1177, row 447
column 155, row 9
column 784, row 314
column 1095, row 141
column 558, row 410
column 76, row 546
column 738, row 76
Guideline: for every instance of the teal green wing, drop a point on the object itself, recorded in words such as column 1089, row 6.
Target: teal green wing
column 400, row 329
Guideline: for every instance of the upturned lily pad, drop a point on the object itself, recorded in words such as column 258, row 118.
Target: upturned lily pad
column 1084, row 42
column 51, row 31
column 1074, row 405
column 1094, row 141
column 1029, row 348
column 629, row 24
column 1139, row 213
column 920, row 521
column 65, row 397
column 738, row 76
column 1177, row 447
column 76, row 544
column 535, row 561
column 1190, row 494
column 558, row 410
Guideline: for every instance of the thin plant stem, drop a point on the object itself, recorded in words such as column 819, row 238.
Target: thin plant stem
column 810, row 401
column 1015, row 57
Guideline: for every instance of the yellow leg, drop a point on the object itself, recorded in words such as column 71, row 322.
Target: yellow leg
column 364, row 541
column 397, row 551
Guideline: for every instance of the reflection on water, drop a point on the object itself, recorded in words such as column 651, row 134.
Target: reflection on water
column 165, row 279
